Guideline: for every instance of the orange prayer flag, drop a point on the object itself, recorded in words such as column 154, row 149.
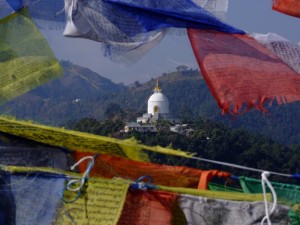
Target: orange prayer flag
column 175, row 176
column 289, row 7
column 206, row 176
column 241, row 73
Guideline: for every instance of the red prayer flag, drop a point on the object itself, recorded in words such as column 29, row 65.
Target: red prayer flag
column 241, row 73
column 148, row 208
column 289, row 7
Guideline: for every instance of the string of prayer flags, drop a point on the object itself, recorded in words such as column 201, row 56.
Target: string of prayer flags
column 110, row 202
column 289, row 52
column 175, row 176
column 26, row 60
column 200, row 210
column 289, row 7
column 241, row 73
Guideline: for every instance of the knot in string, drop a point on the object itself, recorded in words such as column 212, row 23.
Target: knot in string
column 264, row 180
column 77, row 185
column 144, row 186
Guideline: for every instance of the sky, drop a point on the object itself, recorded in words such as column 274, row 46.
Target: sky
column 249, row 15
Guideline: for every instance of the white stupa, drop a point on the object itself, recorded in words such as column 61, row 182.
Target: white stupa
column 158, row 109
column 158, row 103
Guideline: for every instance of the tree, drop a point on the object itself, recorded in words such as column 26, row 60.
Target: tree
column 181, row 68
column 89, row 125
column 113, row 111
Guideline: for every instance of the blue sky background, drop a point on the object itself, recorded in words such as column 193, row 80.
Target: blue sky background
column 249, row 15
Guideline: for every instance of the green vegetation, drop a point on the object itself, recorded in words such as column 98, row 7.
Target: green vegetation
column 211, row 140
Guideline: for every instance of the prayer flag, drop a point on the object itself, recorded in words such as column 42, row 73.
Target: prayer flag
column 7, row 201
column 224, row 187
column 148, row 208
column 289, row 7
column 33, row 157
column 141, row 27
column 74, row 140
column 26, row 60
column 241, row 73
column 5, row 9
column 175, row 176
column 124, row 39
column 16, row 4
column 46, row 14
column 29, row 198
column 200, row 210
column 154, row 14
column 216, row 7
column 286, row 193
column 71, row 140
column 100, row 203
column 289, row 52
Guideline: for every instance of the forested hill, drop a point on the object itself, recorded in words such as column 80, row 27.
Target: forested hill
column 83, row 93
column 79, row 93
column 211, row 140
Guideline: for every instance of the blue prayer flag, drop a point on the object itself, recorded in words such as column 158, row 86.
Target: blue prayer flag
column 156, row 14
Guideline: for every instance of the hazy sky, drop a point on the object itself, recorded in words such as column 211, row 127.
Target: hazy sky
column 249, row 15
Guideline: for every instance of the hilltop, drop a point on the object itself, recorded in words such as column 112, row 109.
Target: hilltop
column 82, row 93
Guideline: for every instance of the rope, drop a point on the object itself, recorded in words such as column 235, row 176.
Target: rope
column 239, row 166
column 140, row 185
column 264, row 180
column 82, row 181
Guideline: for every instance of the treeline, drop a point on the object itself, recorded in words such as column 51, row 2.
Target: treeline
column 211, row 140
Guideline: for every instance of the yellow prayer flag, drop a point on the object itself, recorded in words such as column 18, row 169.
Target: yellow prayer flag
column 26, row 60
column 100, row 204
column 79, row 141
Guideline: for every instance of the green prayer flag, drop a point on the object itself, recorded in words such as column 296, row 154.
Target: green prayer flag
column 286, row 193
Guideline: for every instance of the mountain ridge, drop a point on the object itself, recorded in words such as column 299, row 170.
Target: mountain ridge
column 83, row 93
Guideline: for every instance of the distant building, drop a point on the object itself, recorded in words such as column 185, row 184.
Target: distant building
column 158, row 109
column 133, row 126
column 183, row 129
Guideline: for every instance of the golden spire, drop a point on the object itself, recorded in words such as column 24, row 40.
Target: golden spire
column 156, row 88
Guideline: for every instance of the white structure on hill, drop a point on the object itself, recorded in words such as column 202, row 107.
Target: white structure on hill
column 158, row 103
column 158, row 109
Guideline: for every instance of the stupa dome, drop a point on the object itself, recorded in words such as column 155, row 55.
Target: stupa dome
column 158, row 103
